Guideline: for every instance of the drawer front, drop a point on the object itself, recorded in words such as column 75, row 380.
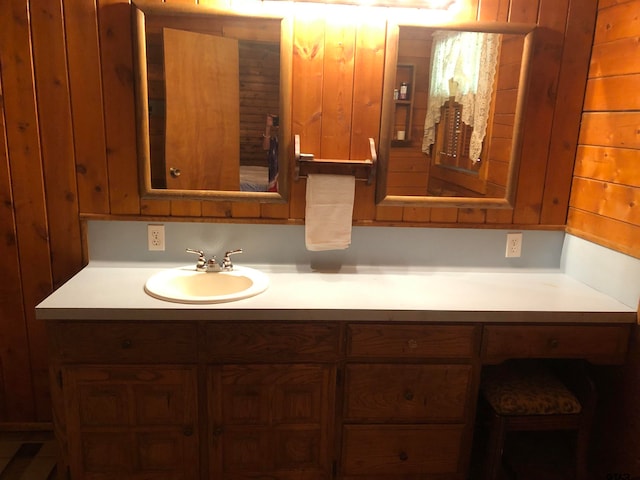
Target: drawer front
column 381, row 451
column 597, row 343
column 279, row 342
column 407, row 393
column 412, row 341
column 140, row 342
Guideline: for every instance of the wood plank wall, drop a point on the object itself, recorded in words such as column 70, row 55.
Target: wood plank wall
column 68, row 150
column 605, row 199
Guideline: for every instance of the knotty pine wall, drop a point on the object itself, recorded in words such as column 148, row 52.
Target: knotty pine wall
column 605, row 206
column 68, row 150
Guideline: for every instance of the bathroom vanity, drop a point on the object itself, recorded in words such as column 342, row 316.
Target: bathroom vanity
column 366, row 373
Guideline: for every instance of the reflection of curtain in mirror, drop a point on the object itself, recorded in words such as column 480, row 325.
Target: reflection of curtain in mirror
column 463, row 66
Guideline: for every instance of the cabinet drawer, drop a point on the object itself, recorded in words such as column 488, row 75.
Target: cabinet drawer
column 279, row 342
column 392, row 451
column 412, row 341
column 117, row 342
column 401, row 393
column 597, row 343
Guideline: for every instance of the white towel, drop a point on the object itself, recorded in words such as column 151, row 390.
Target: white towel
column 329, row 211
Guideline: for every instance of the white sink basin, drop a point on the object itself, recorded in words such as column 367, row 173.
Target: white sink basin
column 186, row 285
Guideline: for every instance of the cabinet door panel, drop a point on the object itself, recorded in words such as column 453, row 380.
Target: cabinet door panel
column 407, row 393
column 272, row 420
column 131, row 422
column 392, row 451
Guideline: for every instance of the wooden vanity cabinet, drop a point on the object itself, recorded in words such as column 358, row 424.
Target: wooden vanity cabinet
column 271, row 390
column 125, row 400
column 409, row 401
column 215, row 400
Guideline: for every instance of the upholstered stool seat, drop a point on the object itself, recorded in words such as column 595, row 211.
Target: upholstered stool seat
column 530, row 396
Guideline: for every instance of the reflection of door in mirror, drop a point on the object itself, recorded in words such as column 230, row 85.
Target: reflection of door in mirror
column 202, row 145
column 212, row 82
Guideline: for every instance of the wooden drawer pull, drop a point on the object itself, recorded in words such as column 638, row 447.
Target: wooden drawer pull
column 553, row 343
column 126, row 343
column 412, row 344
column 218, row 431
column 187, row 431
column 408, row 395
column 403, row 456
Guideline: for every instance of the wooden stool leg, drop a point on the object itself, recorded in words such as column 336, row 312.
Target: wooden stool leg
column 495, row 446
column 582, row 446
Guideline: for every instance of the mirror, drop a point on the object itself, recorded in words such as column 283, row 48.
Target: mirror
column 452, row 117
column 212, row 102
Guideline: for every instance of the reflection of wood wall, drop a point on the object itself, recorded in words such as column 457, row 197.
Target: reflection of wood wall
column 259, row 97
column 68, row 150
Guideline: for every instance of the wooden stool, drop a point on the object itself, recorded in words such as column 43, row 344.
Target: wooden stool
column 530, row 396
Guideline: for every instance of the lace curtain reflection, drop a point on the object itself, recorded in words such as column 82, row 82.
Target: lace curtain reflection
column 463, row 66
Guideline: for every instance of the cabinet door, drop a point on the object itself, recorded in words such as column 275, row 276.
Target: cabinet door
column 131, row 422
column 272, row 421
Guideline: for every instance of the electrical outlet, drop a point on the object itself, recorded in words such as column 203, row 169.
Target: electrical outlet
column 514, row 245
column 155, row 237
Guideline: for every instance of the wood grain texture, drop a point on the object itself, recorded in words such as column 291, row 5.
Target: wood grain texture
column 29, row 208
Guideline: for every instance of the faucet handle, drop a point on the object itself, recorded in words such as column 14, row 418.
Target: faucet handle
column 202, row 261
column 226, row 261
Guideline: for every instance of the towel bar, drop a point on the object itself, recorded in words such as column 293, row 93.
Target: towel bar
column 361, row 169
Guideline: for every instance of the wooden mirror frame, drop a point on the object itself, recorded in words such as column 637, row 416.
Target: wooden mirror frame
column 387, row 123
column 142, row 8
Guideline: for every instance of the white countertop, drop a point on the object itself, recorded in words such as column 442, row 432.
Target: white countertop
column 110, row 291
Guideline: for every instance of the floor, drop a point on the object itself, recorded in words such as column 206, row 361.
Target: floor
column 27, row 455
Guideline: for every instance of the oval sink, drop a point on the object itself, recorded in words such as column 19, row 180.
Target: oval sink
column 187, row 285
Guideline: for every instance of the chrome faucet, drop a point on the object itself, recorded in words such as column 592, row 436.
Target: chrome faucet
column 211, row 265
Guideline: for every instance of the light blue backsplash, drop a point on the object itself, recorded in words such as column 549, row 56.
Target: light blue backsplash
column 613, row 273
column 440, row 248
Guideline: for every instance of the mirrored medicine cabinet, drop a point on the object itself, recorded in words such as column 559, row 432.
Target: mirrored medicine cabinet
column 213, row 90
column 452, row 118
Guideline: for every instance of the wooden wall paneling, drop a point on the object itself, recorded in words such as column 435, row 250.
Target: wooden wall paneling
column 619, row 236
column 493, row 10
column 307, row 88
column 607, row 164
column 338, row 84
column 15, row 375
column 566, row 121
column 245, row 210
column 367, row 102
column 611, row 129
column 620, row 21
column 444, row 215
column 85, row 82
column 613, row 93
column 620, row 57
column 615, row 201
column 56, row 135
column 546, row 60
column 114, row 21
column 25, row 165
